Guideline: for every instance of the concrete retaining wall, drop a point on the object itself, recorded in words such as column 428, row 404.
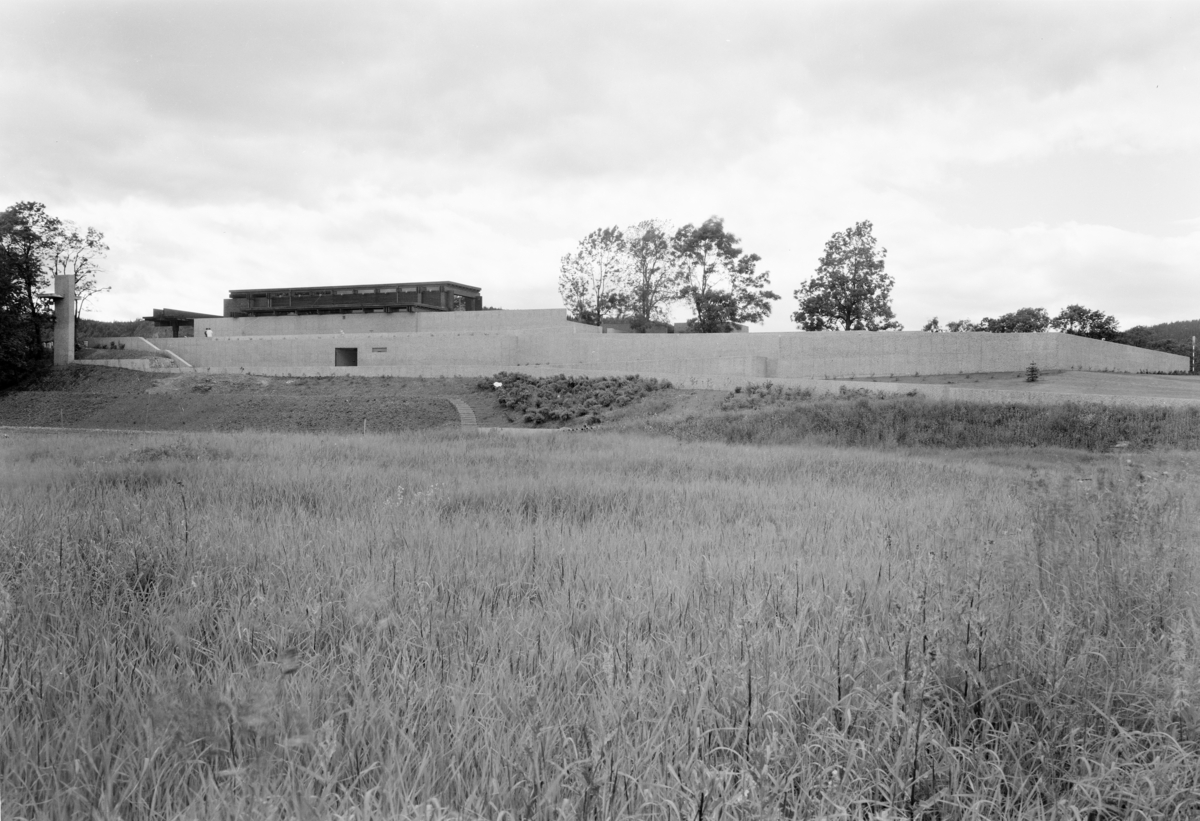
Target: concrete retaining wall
column 854, row 353
column 568, row 346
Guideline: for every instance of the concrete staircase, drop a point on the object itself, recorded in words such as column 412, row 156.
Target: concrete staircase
column 466, row 416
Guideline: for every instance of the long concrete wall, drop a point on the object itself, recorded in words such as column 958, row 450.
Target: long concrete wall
column 830, row 355
column 568, row 346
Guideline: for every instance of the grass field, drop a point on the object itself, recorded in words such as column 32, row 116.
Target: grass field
column 593, row 626
column 1083, row 384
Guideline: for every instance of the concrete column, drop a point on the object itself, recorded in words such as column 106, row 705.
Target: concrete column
column 64, row 320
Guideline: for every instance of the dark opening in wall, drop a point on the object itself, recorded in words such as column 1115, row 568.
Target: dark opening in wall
column 345, row 357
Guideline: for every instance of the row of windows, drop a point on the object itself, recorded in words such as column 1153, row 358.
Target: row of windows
column 339, row 292
column 408, row 289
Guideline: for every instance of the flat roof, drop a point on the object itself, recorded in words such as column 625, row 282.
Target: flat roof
column 346, row 287
column 174, row 313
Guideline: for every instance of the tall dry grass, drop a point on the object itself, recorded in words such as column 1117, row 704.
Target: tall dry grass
column 242, row 626
column 771, row 415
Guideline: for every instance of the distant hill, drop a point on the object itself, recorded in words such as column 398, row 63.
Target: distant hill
column 1171, row 337
column 1181, row 331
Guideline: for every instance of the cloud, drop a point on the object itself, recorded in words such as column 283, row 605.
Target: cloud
column 224, row 145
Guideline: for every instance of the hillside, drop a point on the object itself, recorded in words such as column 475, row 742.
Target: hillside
column 1171, row 337
column 83, row 396
column 1182, row 330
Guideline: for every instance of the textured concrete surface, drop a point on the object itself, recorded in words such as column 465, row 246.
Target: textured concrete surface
column 64, row 320
column 564, row 347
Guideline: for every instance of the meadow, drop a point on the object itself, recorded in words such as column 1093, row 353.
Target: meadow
column 596, row 625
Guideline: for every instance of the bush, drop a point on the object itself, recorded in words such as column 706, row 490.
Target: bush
column 759, row 395
column 563, row 398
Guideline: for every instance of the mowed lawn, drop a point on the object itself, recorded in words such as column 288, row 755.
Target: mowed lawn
column 593, row 626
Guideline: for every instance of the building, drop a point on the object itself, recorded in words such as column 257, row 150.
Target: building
column 345, row 299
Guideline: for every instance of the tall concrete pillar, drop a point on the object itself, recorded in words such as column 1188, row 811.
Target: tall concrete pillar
column 64, row 320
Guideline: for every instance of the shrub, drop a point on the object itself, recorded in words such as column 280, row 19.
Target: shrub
column 757, row 395
column 562, row 397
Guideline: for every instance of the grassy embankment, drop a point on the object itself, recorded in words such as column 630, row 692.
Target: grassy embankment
column 771, row 415
column 592, row 626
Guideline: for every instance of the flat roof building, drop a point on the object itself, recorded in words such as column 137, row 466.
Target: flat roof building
column 342, row 299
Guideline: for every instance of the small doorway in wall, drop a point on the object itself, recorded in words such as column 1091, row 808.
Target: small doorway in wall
column 345, row 357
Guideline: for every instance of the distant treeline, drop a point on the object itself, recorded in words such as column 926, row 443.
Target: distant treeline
column 1169, row 337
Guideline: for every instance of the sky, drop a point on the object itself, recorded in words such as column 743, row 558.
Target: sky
column 1007, row 154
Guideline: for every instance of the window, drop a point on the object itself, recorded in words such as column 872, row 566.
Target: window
column 345, row 357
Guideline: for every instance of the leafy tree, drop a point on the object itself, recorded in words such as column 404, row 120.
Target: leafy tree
column 1078, row 320
column 27, row 236
column 653, row 278
column 34, row 247
column 959, row 326
column 1024, row 321
column 78, row 253
column 16, row 331
column 593, row 280
column 719, row 279
column 716, row 313
column 851, row 291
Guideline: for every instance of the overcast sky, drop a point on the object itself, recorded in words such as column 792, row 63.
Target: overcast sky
column 1008, row 154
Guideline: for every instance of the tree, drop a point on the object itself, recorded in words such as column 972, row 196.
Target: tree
column 851, row 291
column 592, row 281
column 78, row 254
column 27, row 237
column 34, row 247
column 719, row 279
column 653, row 277
column 959, row 326
column 1078, row 320
column 1139, row 336
column 1024, row 321
column 16, row 331
column 716, row 313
